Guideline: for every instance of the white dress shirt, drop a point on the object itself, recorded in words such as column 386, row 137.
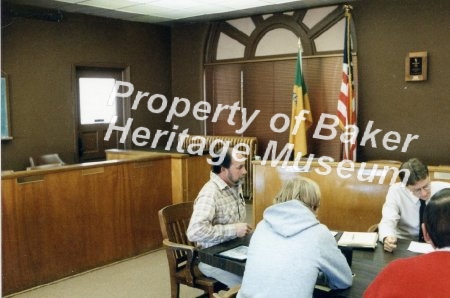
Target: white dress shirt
column 400, row 214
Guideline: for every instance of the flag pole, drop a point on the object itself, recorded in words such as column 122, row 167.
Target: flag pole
column 348, row 15
column 347, row 104
column 300, row 58
column 300, row 50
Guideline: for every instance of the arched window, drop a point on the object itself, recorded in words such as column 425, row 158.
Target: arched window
column 252, row 61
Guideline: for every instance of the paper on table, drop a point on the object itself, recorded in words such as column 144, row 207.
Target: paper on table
column 420, row 247
column 322, row 288
column 237, row 253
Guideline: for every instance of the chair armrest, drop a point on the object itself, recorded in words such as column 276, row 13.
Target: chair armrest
column 173, row 245
column 191, row 257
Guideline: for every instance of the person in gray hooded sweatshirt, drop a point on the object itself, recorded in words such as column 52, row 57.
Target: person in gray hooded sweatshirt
column 290, row 248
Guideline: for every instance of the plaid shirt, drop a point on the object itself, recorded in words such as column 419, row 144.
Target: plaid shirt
column 217, row 209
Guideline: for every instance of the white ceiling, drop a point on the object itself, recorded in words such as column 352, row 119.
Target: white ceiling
column 169, row 11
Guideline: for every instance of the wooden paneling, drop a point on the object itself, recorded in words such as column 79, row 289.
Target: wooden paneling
column 198, row 173
column 179, row 188
column 147, row 188
column 188, row 172
column 58, row 222
column 347, row 203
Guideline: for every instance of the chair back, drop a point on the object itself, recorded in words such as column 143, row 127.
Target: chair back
column 373, row 228
column 45, row 161
column 48, row 159
column 174, row 221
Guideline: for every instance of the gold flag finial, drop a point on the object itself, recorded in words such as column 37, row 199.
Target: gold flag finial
column 348, row 8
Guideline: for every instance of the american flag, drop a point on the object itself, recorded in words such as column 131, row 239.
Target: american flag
column 347, row 103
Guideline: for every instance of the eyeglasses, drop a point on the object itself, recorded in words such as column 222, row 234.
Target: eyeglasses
column 418, row 191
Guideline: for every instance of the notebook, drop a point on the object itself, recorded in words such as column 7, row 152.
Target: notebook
column 238, row 253
column 359, row 239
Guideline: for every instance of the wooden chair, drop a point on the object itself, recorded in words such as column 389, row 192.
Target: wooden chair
column 48, row 159
column 373, row 228
column 181, row 253
column 45, row 161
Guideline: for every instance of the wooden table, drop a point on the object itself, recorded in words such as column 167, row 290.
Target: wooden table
column 366, row 264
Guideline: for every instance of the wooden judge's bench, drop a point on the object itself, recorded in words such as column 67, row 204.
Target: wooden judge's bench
column 61, row 221
column 348, row 203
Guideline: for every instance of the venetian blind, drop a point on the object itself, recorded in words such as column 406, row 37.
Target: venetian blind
column 223, row 87
column 267, row 86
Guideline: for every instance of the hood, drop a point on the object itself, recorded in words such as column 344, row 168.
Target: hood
column 289, row 218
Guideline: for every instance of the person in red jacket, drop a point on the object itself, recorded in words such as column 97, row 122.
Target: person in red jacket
column 425, row 275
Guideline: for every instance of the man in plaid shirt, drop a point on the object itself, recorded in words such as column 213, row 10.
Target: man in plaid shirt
column 219, row 211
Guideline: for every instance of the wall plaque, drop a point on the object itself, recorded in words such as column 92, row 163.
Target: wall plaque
column 416, row 66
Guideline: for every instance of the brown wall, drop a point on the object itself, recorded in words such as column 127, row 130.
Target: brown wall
column 38, row 57
column 188, row 44
column 386, row 31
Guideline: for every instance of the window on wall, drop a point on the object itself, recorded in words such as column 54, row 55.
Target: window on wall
column 94, row 96
column 261, row 77
column 95, row 85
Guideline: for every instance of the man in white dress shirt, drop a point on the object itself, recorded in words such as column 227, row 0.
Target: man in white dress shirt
column 400, row 214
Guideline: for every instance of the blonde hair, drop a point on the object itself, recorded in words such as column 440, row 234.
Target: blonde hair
column 302, row 189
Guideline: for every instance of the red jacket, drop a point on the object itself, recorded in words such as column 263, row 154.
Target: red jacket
column 422, row 276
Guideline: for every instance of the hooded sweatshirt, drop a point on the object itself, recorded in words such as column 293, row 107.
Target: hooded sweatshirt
column 286, row 252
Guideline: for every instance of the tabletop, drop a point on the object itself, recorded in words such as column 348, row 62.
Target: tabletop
column 366, row 263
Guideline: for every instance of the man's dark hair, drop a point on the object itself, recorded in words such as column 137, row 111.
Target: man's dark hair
column 226, row 162
column 437, row 218
column 417, row 171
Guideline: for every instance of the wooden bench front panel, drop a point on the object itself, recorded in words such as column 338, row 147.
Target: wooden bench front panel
column 56, row 223
column 347, row 203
